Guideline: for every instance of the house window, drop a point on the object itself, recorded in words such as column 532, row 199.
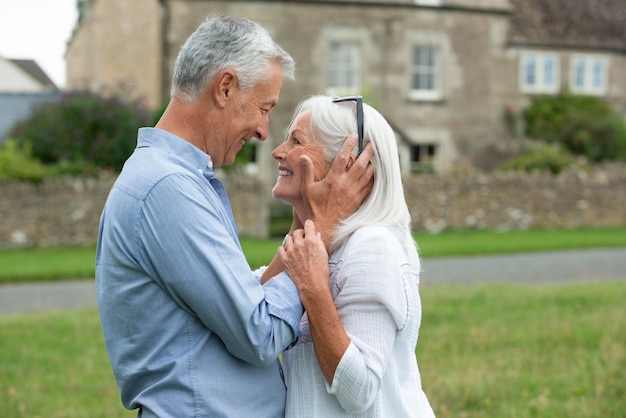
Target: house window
column 343, row 65
column 425, row 73
column 539, row 73
column 423, row 157
column 588, row 75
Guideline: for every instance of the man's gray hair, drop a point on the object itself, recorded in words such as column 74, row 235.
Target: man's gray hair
column 227, row 42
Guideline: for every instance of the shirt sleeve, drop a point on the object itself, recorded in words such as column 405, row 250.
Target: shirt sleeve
column 189, row 245
column 372, row 306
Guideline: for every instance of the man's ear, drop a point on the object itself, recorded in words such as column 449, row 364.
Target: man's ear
column 224, row 87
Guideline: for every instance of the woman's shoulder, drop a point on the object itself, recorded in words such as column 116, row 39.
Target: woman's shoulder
column 381, row 232
column 379, row 235
column 376, row 243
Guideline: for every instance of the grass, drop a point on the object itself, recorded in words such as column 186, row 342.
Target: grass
column 47, row 264
column 55, row 365
column 524, row 351
column 40, row 264
column 496, row 351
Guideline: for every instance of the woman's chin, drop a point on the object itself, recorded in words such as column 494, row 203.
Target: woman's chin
column 278, row 195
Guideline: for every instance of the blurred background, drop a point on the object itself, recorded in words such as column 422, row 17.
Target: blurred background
column 509, row 118
column 509, row 114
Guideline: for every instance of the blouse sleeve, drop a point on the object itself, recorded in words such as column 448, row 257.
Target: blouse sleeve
column 372, row 305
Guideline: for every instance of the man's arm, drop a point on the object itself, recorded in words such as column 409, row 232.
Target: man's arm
column 276, row 266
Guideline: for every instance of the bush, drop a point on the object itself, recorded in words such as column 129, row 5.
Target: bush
column 584, row 125
column 83, row 128
column 17, row 163
column 552, row 158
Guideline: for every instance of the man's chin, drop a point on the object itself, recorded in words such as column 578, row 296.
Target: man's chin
column 227, row 161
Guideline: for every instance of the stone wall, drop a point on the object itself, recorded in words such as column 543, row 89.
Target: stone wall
column 66, row 211
column 512, row 200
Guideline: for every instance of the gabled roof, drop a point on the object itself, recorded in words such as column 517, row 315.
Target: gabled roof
column 34, row 70
column 592, row 24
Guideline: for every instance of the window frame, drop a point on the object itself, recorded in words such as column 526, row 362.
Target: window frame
column 540, row 60
column 423, row 94
column 355, row 56
column 428, row 154
column 589, row 61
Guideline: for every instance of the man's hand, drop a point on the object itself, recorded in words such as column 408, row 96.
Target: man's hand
column 341, row 192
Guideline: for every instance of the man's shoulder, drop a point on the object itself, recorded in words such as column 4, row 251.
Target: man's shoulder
column 149, row 168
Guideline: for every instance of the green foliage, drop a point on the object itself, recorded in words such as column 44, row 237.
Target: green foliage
column 83, row 127
column 584, row 125
column 74, row 169
column 552, row 158
column 17, row 163
column 244, row 156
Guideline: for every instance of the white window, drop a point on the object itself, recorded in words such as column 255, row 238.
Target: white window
column 425, row 73
column 343, row 67
column 588, row 74
column 539, row 73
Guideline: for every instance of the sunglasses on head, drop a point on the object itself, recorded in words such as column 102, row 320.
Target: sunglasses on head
column 359, row 116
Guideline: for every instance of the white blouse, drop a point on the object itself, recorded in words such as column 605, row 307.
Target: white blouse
column 375, row 289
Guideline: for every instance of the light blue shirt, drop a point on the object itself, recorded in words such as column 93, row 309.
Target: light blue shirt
column 188, row 328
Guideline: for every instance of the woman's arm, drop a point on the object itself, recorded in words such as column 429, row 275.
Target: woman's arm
column 354, row 333
column 306, row 261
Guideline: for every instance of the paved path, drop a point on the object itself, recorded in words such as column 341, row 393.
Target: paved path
column 535, row 268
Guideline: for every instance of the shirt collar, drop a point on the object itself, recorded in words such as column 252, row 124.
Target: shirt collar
column 158, row 138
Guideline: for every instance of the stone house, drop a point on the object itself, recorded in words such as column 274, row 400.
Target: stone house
column 443, row 72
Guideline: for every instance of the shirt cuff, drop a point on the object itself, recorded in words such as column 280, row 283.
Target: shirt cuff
column 283, row 300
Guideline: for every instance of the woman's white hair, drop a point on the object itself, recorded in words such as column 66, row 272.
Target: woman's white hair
column 227, row 42
column 331, row 123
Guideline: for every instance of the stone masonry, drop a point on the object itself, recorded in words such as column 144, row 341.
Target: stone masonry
column 66, row 211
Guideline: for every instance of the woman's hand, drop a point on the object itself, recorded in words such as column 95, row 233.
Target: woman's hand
column 305, row 260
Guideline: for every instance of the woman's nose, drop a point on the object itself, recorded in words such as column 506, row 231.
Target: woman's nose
column 278, row 153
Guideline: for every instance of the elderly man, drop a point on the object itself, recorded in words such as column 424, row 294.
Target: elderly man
column 189, row 330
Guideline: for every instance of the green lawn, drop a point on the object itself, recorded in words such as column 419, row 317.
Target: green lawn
column 553, row 351
column 485, row 351
column 78, row 262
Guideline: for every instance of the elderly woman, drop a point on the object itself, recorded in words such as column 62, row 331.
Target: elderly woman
column 356, row 352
